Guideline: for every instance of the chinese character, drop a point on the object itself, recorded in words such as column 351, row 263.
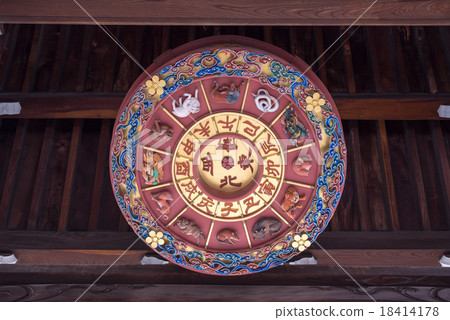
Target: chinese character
column 270, row 168
column 250, row 131
column 228, row 144
column 267, row 146
column 188, row 147
column 227, row 124
column 266, row 188
column 206, row 202
column 207, row 163
column 250, row 202
column 191, row 188
column 245, row 162
column 227, row 209
column 182, row 168
column 229, row 180
column 204, row 130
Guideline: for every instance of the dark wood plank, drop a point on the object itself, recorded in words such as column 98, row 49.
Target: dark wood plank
column 407, row 205
column 319, row 67
column 53, row 186
column 25, row 177
column 348, row 62
column 401, row 67
column 413, row 153
column 373, row 172
column 360, row 183
column 172, row 12
column 99, row 169
column 41, row 173
column 388, row 176
column 102, row 106
column 8, row 188
column 60, row 58
column 48, row 52
column 442, row 164
column 84, row 56
column 63, row 216
column 426, row 59
column 7, row 135
column 361, row 61
column 441, row 68
column 333, row 65
column 19, row 60
column 30, row 72
column 8, row 43
column 71, row 65
column 67, row 292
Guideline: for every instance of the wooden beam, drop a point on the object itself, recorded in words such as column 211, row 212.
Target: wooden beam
column 234, row 12
column 67, row 292
column 350, row 106
column 285, row 275
column 343, row 240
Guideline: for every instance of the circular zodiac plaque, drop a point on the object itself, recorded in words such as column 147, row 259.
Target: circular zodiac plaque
column 227, row 159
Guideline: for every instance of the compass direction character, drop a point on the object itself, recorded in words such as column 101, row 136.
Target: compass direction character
column 228, row 180
column 227, row 124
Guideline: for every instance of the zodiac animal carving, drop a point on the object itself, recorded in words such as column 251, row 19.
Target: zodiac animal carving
column 265, row 102
column 289, row 203
column 302, row 165
column 161, row 199
column 225, row 93
column 161, row 132
column 227, row 236
column 186, row 107
column 264, row 227
column 293, row 127
column 189, row 228
column 152, row 170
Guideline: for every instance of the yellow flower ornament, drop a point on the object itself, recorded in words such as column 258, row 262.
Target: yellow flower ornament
column 155, row 86
column 314, row 102
column 301, row 242
column 154, row 238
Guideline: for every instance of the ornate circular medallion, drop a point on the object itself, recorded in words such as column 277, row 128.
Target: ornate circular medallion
column 227, row 159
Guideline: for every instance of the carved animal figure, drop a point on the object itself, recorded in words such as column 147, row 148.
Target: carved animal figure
column 161, row 132
column 302, row 165
column 265, row 227
column 289, row 203
column 227, row 236
column 226, row 93
column 186, row 107
column 265, row 102
column 161, row 199
column 293, row 127
column 189, row 228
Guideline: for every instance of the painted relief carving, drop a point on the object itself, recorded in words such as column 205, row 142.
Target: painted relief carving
column 291, row 198
column 227, row 236
column 189, row 105
column 226, row 93
column 302, row 165
column 293, row 127
column 265, row 227
column 161, row 132
column 265, row 102
column 152, row 170
column 161, row 199
column 189, row 228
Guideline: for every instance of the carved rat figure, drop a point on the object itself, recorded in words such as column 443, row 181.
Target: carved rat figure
column 227, row 236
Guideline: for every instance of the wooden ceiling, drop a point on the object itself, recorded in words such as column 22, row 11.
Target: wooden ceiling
column 57, row 210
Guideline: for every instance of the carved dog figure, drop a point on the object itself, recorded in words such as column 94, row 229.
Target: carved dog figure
column 289, row 203
column 225, row 93
column 265, row 227
column 227, row 236
column 189, row 228
column 162, row 198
